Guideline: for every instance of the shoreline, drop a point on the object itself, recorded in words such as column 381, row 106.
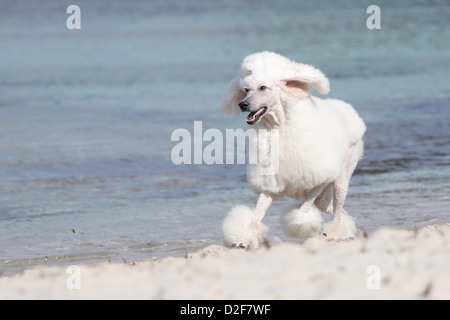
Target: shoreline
column 388, row 264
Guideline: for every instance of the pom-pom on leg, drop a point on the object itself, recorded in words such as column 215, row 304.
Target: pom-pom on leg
column 342, row 227
column 242, row 228
column 301, row 222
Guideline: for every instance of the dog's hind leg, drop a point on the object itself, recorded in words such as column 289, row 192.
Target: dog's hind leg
column 343, row 225
column 325, row 200
column 342, row 183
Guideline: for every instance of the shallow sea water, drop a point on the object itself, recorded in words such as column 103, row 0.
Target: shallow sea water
column 86, row 118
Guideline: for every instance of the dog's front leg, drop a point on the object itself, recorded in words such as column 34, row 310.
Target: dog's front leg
column 262, row 205
column 301, row 221
column 243, row 227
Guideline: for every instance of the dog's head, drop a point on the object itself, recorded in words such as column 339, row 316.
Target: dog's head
column 264, row 79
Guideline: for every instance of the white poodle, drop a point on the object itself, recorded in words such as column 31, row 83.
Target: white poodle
column 319, row 146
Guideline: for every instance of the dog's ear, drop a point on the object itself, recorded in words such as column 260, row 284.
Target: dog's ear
column 302, row 75
column 231, row 98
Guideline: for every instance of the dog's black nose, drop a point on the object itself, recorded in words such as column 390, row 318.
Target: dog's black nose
column 243, row 105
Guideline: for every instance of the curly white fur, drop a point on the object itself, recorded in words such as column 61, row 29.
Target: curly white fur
column 242, row 229
column 343, row 228
column 298, row 223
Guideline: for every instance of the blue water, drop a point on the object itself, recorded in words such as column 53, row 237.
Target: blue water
column 86, row 118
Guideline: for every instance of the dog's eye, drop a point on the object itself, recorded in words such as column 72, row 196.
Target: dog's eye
column 247, row 90
column 262, row 88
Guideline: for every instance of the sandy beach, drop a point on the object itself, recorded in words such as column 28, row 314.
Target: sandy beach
column 90, row 123
column 387, row 264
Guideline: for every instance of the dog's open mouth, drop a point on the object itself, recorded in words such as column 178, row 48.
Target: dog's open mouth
column 254, row 116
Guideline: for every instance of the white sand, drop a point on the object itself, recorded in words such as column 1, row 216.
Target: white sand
column 389, row 264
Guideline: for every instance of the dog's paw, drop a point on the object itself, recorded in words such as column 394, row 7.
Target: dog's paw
column 298, row 223
column 241, row 230
column 340, row 230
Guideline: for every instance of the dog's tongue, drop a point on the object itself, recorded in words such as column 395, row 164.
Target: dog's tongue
column 254, row 115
